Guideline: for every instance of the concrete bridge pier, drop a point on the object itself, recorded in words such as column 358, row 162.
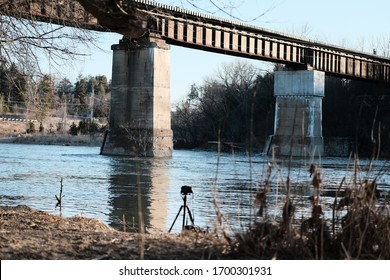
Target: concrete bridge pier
column 298, row 113
column 140, row 116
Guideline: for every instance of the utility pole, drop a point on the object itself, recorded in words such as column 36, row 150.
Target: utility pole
column 64, row 116
column 92, row 101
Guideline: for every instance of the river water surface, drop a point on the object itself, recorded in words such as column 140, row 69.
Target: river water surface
column 106, row 188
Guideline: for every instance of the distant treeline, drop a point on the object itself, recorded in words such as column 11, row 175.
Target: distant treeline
column 238, row 107
column 43, row 96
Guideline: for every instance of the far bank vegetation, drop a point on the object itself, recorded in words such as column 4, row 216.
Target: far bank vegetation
column 236, row 106
column 51, row 106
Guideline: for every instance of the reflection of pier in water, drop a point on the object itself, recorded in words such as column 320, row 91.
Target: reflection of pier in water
column 127, row 175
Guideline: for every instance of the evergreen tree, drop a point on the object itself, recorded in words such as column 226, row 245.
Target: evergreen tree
column 80, row 93
column 45, row 97
column 17, row 85
column 101, row 109
column 12, row 87
column 64, row 88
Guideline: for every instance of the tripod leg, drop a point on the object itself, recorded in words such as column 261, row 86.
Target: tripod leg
column 181, row 207
column 190, row 214
column 184, row 217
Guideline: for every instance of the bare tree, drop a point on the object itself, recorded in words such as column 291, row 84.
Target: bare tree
column 238, row 75
column 227, row 8
column 381, row 46
column 24, row 37
column 235, row 107
column 138, row 138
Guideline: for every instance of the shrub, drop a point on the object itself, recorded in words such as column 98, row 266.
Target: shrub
column 31, row 128
column 73, row 129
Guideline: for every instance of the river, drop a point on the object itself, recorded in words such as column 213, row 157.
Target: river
column 106, row 187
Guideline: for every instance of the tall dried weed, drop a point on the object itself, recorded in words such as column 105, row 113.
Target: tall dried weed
column 359, row 227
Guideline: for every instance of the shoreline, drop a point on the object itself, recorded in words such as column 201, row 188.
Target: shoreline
column 53, row 139
column 29, row 234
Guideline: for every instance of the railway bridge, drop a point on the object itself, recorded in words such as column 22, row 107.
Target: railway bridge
column 140, row 108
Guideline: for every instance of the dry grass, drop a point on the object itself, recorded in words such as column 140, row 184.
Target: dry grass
column 10, row 128
column 359, row 227
column 15, row 132
column 29, row 234
column 56, row 139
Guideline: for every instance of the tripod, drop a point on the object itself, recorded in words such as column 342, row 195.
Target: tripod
column 184, row 207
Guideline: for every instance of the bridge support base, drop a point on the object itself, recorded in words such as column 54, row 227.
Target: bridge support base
column 140, row 116
column 298, row 114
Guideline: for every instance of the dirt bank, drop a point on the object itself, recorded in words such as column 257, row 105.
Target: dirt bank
column 54, row 139
column 26, row 233
column 16, row 131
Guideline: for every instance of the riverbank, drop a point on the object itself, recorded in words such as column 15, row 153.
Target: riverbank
column 17, row 131
column 53, row 139
column 26, row 233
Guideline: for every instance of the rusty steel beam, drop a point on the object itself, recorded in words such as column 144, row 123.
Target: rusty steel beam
column 62, row 12
column 194, row 30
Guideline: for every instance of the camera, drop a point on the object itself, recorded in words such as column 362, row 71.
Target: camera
column 186, row 190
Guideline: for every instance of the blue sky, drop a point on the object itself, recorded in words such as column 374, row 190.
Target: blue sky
column 356, row 24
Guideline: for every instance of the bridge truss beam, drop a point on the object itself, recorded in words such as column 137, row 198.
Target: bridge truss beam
column 65, row 12
column 185, row 28
column 190, row 29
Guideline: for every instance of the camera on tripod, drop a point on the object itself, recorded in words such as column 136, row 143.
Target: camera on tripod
column 184, row 191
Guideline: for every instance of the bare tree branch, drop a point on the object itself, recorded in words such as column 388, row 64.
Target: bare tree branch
column 24, row 38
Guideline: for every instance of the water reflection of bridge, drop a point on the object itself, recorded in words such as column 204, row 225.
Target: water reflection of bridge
column 138, row 183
